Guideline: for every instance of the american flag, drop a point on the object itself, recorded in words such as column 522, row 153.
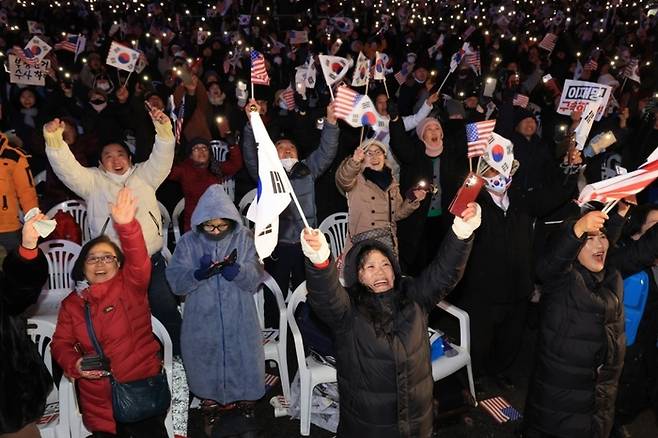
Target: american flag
column 25, row 55
column 620, row 186
column 520, row 100
column 70, row 44
column 548, row 42
column 591, row 65
column 472, row 59
column 631, row 71
column 346, row 98
column 178, row 129
column 401, row 76
column 270, row 381
column 500, row 409
column 259, row 75
column 477, row 136
column 288, row 96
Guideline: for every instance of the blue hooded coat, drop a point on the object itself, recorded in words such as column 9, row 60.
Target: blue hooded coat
column 221, row 340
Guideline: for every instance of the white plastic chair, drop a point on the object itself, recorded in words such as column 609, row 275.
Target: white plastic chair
column 175, row 219
column 39, row 178
column 275, row 349
column 335, row 228
column 444, row 366
column 58, row 401
column 243, row 207
column 166, row 223
column 78, row 209
column 61, row 255
column 78, row 429
column 219, row 150
column 311, row 371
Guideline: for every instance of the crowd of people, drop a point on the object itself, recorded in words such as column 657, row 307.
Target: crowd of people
column 519, row 255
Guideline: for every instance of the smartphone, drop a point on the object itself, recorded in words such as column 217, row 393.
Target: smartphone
column 185, row 75
column 466, row 194
column 94, row 363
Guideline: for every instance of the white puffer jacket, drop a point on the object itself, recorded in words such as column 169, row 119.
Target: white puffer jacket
column 99, row 190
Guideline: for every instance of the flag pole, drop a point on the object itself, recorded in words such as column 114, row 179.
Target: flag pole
column 128, row 78
column 609, row 206
column 299, row 207
column 444, row 81
column 470, row 165
column 331, row 91
column 253, row 95
column 363, row 127
column 385, row 87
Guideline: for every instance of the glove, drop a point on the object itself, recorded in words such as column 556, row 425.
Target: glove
column 316, row 257
column 302, row 105
column 392, row 109
column 215, row 168
column 229, row 272
column 463, row 229
column 204, row 267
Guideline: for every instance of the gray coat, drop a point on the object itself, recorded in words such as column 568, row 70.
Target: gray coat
column 221, row 340
column 302, row 178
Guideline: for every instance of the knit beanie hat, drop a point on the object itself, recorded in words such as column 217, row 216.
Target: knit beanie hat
column 430, row 150
column 195, row 141
column 366, row 144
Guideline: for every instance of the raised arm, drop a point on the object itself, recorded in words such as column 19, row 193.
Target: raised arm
column 401, row 144
column 155, row 170
column 76, row 177
column 349, row 170
column 410, row 122
column 249, row 151
column 321, row 158
column 137, row 264
column 326, row 296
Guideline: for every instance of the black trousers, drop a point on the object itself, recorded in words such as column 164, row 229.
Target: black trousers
column 150, row 428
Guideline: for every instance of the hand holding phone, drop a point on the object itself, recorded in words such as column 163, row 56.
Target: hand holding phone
column 466, row 194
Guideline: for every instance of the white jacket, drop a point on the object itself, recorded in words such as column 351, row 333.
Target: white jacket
column 95, row 186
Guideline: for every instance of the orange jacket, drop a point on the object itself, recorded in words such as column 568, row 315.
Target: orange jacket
column 16, row 186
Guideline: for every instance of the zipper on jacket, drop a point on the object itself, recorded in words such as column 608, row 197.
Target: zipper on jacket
column 5, row 206
column 157, row 225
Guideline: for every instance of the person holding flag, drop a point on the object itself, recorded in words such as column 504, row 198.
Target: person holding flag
column 286, row 263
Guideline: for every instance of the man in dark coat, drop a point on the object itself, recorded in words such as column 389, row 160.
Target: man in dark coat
column 383, row 364
column 24, row 378
column 582, row 342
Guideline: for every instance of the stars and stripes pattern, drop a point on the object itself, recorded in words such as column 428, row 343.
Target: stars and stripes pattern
column 500, row 409
column 70, row 44
column 288, row 96
column 620, row 186
column 477, row 136
column 472, row 59
column 520, row 100
column 259, row 74
column 346, row 99
column 631, row 71
column 178, row 128
column 548, row 42
column 591, row 65
column 26, row 56
column 401, row 76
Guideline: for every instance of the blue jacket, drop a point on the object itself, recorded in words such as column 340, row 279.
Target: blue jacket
column 302, row 178
column 221, row 340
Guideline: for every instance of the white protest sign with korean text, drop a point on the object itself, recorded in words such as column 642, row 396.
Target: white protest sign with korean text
column 577, row 94
column 28, row 74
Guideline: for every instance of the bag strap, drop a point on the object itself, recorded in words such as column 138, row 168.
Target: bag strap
column 90, row 331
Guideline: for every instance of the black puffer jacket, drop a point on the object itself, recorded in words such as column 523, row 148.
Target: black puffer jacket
column 383, row 350
column 24, row 379
column 582, row 340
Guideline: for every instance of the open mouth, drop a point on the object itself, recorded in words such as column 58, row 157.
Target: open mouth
column 380, row 283
column 599, row 256
column 434, row 139
column 100, row 272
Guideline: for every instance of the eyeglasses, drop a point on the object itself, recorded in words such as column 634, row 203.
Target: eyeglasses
column 210, row 228
column 200, row 147
column 105, row 259
column 374, row 153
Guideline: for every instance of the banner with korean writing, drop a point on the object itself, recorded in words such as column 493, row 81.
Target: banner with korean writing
column 577, row 94
column 27, row 74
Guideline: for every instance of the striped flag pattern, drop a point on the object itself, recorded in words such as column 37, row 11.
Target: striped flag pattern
column 346, row 99
column 620, row 186
column 477, row 136
column 591, row 65
column 500, row 409
column 631, row 70
column 356, row 109
column 288, row 96
column 178, row 129
column 70, row 44
column 25, row 55
column 548, row 42
column 270, row 381
column 259, row 74
column 401, row 76
column 520, row 100
column 472, row 59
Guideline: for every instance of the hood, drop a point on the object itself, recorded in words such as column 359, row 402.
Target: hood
column 214, row 204
column 350, row 271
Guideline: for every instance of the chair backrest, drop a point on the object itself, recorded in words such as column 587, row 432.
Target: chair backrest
column 161, row 333
column 298, row 296
column 335, row 228
column 219, row 150
column 61, row 255
column 166, row 223
column 229, row 188
column 175, row 219
column 259, row 297
column 77, row 209
column 41, row 332
column 243, row 206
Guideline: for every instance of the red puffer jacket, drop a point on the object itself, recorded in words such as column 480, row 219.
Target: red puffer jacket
column 122, row 323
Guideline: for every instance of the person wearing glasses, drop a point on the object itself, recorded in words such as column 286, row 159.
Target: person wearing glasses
column 113, row 282
column 216, row 268
column 374, row 200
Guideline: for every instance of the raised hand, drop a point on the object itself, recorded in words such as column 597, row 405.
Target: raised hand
column 315, row 246
column 30, row 237
column 158, row 116
column 470, row 220
column 359, row 155
column 331, row 113
column 251, row 106
column 123, row 210
column 592, row 222
column 53, row 125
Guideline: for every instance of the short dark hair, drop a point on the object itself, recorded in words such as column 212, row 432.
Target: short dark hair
column 119, row 143
column 78, row 272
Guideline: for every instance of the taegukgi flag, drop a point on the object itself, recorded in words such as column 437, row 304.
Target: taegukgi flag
column 273, row 193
